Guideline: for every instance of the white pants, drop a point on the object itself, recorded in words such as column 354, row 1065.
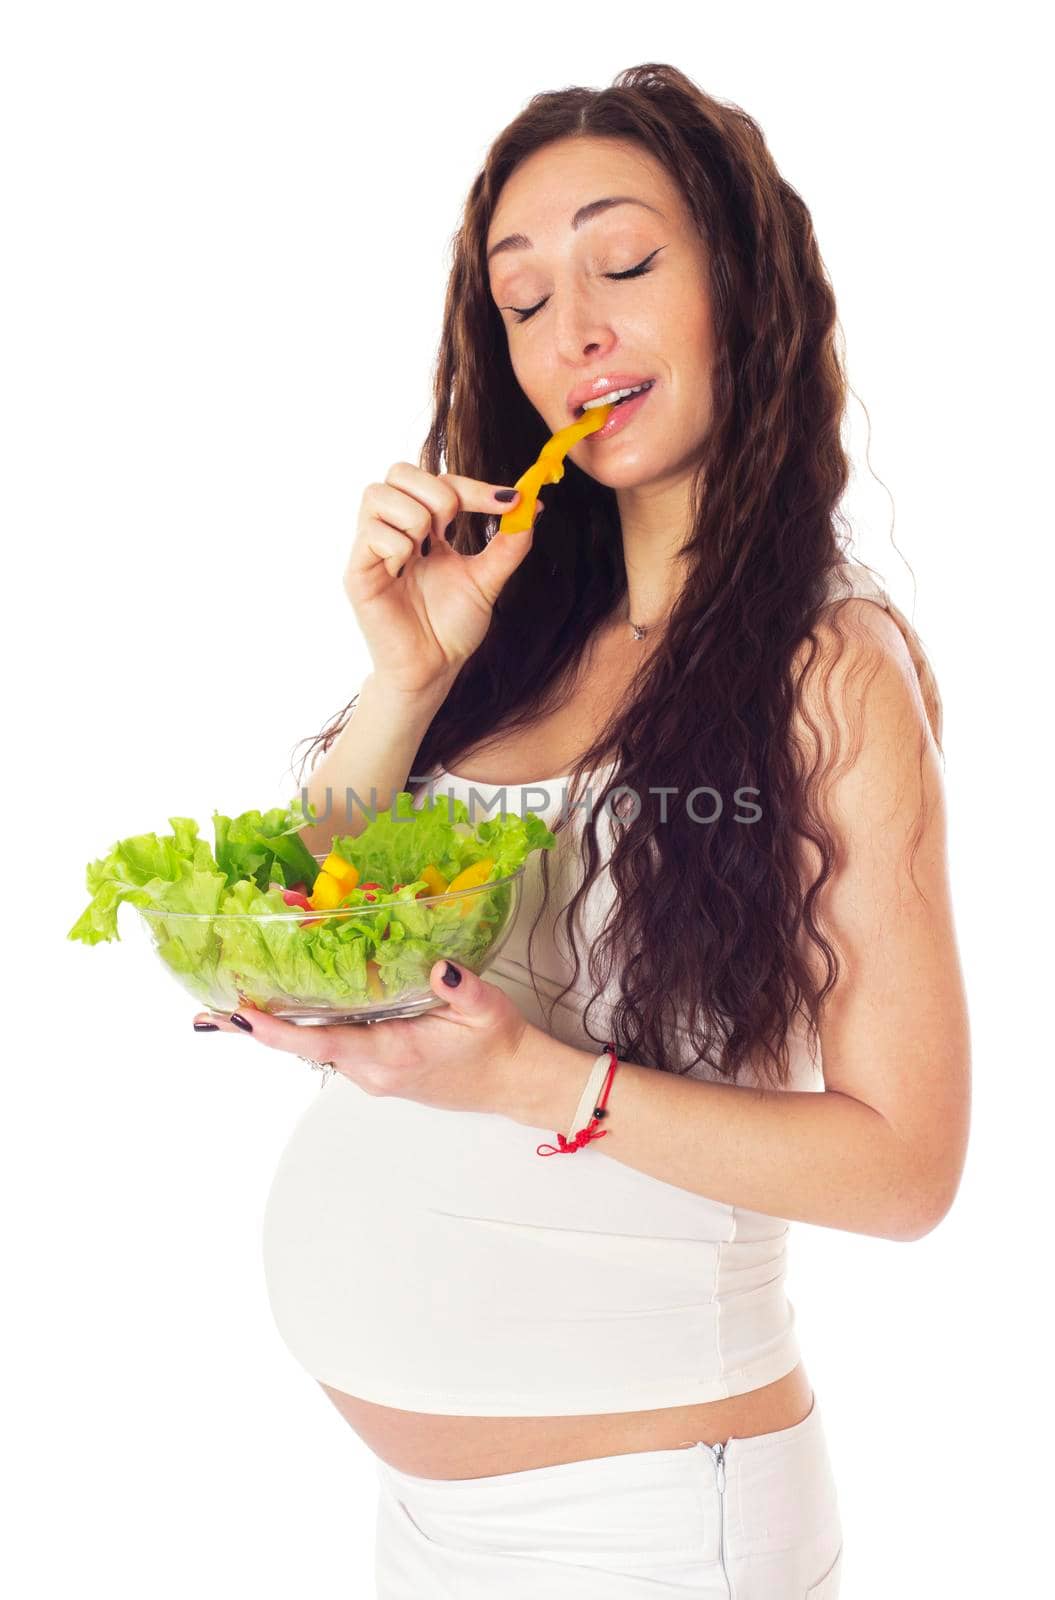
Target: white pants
column 757, row 1519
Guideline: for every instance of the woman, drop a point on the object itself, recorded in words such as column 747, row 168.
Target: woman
column 580, row 1376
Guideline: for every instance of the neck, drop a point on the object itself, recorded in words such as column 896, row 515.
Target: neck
column 653, row 519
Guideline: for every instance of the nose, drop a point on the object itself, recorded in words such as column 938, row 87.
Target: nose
column 581, row 331
column 583, row 339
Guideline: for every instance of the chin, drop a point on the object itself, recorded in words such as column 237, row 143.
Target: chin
column 634, row 471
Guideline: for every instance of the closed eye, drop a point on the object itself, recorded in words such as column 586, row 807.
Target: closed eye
column 632, row 272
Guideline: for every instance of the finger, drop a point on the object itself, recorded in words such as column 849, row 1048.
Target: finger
column 394, row 531
column 447, row 493
column 475, row 495
column 492, row 567
column 380, row 545
column 348, row 1046
column 223, row 1021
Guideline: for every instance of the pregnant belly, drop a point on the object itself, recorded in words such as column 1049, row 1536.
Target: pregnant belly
column 434, row 1446
column 404, row 1277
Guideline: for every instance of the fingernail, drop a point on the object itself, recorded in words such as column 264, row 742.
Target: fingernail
column 240, row 1022
column 206, row 1027
column 452, row 976
column 506, row 495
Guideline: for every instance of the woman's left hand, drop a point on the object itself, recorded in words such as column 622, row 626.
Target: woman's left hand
column 470, row 1055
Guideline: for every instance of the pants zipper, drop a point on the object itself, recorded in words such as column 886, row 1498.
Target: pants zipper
column 718, row 1452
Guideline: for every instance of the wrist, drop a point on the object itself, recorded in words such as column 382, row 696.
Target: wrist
column 416, row 704
column 546, row 1080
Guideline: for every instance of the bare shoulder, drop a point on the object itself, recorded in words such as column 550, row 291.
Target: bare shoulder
column 859, row 664
column 864, row 621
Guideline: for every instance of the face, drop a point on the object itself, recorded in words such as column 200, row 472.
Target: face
column 587, row 318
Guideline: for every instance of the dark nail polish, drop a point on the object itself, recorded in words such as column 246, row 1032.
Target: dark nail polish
column 505, row 494
column 206, row 1027
column 452, row 976
column 426, row 544
column 240, row 1022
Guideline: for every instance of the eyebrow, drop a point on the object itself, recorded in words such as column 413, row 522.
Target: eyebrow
column 520, row 241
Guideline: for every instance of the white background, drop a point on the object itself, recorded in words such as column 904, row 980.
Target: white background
column 227, row 231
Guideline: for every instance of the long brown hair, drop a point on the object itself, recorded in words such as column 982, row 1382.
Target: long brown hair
column 707, row 936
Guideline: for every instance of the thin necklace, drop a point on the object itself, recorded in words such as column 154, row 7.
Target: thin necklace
column 639, row 629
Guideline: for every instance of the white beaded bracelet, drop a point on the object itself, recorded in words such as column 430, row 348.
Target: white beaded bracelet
column 584, row 1110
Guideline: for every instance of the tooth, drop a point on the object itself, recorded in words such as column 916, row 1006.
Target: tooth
column 604, row 399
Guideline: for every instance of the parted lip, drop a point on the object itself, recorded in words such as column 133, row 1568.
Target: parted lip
column 607, row 383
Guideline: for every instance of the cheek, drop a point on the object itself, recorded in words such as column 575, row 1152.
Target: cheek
column 694, row 350
column 527, row 372
column 531, row 380
column 691, row 315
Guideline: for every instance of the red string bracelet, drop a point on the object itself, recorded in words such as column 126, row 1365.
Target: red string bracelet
column 591, row 1130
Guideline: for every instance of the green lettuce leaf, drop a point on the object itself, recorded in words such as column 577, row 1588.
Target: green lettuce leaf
column 248, row 846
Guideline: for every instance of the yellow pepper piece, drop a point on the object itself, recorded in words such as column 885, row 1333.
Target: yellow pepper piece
column 374, row 987
column 434, row 878
column 346, row 872
column 468, row 879
column 549, row 468
column 326, row 893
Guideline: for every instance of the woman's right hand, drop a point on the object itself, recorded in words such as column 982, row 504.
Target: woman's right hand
column 423, row 616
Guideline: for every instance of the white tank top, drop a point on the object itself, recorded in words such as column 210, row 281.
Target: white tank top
column 432, row 1260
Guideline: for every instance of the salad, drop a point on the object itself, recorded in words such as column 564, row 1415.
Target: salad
column 256, row 918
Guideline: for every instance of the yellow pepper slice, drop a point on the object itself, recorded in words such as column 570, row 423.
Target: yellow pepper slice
column 468, row 879
column 326, row 892
column 549, row 468
column 346, row 872
column 434, row 878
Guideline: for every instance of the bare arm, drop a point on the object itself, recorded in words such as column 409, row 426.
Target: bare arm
column 373, row 751
column 882, row 1149
column 422, row 617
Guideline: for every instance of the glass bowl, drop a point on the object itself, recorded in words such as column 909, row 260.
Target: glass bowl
column 229, row 959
